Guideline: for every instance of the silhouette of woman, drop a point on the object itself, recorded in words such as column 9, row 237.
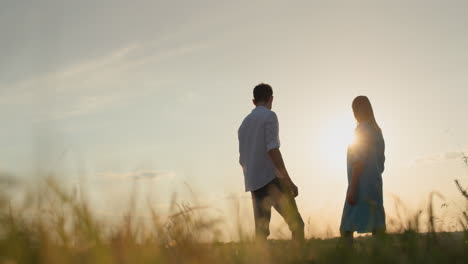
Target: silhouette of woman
column 363, row 208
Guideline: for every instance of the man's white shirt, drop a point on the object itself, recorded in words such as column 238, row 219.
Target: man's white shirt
column 258, row 134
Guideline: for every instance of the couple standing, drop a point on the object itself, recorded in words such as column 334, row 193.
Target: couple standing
column 268, row 180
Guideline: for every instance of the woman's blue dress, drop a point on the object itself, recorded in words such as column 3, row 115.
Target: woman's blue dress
column 368, row 213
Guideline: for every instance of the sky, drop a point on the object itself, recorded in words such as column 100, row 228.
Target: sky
column 117, row 95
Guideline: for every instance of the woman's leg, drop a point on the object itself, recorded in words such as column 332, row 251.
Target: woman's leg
column 347, row 237
column 378, row 232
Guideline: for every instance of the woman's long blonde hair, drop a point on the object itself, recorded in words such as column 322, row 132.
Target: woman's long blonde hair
column 363, row 111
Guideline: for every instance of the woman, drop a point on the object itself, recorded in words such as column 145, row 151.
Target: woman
column 363, row 209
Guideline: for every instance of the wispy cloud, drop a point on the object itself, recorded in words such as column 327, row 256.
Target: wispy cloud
column 445, row 156
column 92, row 85
column 83, row 105
column 236, row 196
column 137, row 175
column 116, row 57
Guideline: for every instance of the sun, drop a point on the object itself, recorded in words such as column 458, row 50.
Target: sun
column 336, row 134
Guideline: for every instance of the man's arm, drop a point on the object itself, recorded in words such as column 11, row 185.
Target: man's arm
column 277, row 158
column 273, row 144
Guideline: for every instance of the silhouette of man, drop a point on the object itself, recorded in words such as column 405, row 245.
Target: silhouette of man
column 265, row 174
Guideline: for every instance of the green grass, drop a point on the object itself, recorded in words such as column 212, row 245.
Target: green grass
column 53, row 226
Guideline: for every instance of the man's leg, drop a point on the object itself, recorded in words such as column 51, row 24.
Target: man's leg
column 378, row 232
column 286, row 206
column 262, row 214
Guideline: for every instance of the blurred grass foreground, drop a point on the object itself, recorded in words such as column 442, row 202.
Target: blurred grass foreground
column 53, row 226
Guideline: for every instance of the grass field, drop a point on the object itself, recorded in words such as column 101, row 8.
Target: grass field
column 56, row 227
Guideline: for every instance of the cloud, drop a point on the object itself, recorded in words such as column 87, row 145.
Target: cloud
column 84, row 105
column 91, row 85
column 138, row 175
column 445, row 156
column 236, row 196
column 86, row 67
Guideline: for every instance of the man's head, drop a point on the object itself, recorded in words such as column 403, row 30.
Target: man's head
column 263, row 95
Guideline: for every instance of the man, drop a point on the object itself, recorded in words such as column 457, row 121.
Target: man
column 265, row 174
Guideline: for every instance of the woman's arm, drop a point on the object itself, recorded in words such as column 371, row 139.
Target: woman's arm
column 356, row 174
column 360, row 155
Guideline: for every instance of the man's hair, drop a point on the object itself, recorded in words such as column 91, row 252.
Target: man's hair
column 262, row 92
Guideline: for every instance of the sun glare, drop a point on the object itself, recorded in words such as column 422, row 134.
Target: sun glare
column 336, row 134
